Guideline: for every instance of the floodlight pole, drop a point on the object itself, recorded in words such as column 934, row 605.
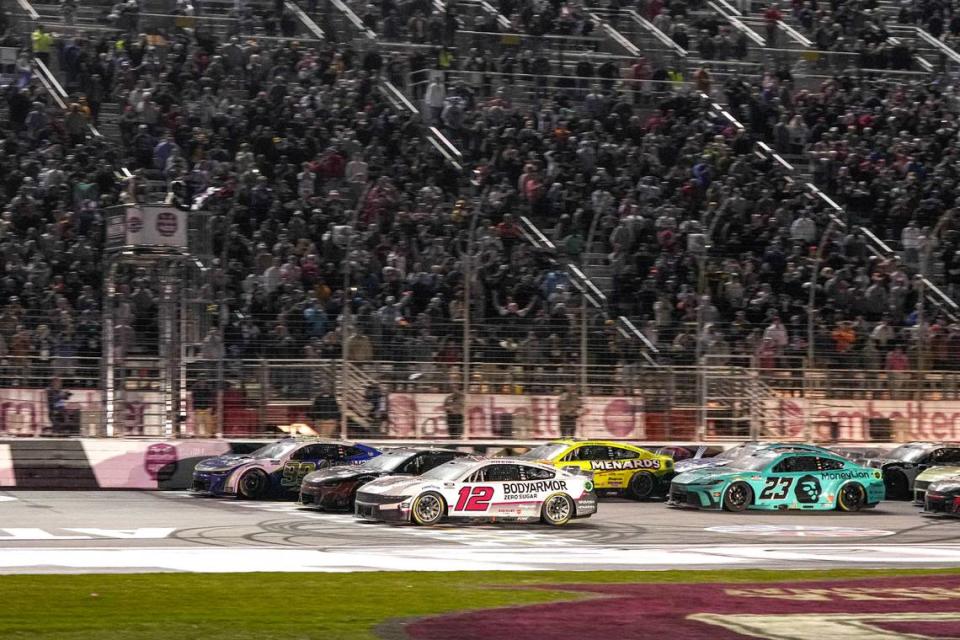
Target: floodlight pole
column 812, row 298
column 468, row 277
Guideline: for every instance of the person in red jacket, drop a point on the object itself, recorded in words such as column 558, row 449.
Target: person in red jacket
column 772, row 16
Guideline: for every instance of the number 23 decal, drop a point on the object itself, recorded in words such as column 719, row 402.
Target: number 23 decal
column 776, row 488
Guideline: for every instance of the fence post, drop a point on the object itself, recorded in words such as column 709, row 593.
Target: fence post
column 584, row 354
column 467, row 312
column 806, row 400
column 108, row 363
column 700, row 379
column 812, row 300
column 264, row 392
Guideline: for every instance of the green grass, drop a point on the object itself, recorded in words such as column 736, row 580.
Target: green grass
column 289, row 606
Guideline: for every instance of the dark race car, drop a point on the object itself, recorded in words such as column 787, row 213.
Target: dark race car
column 902, row 465
column 336, row 488
column 276, row 469
column 943, row 496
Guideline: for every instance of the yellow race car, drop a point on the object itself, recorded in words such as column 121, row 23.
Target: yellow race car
column 616, row 466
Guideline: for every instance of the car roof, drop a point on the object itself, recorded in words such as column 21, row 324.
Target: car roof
column 316, row 440
column 602, row 443
column 929, row 445
column 797, row 446
column 774, row 452
column 413, row 450
column 473, row 460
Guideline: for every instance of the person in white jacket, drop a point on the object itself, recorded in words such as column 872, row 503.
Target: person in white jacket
column 910, row 239
column 434, row 99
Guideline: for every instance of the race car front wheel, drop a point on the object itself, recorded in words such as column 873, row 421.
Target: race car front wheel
column 851, row 497
column 896, row 484
column 557, row 510
column 427, row 509
column 252, row 485
column 737, row 497
column 642, row 485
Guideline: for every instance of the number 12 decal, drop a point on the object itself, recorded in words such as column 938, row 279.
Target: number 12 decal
column 781, row 485
column 478, row 501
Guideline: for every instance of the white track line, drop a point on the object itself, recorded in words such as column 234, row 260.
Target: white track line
column 438, row 558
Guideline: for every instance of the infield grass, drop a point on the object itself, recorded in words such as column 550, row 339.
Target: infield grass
column 298, row 606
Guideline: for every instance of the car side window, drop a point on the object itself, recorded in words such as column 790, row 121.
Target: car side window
column 502, row 473
column 430, row 460
column 787, row 465
column 350, row 452
column 950, row 456
column 535, row 473
column 619, row 453
column 414, row 466
column 309, row 452
column 796, row 464
column 436, row 459
column 807, row 463
column 829, row 464
column 572, row 455
column 594, row 452
column 479, row 475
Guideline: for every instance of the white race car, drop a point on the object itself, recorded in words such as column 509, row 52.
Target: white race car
column 487, row 489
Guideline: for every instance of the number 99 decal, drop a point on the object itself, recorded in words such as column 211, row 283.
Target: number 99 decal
column 294, row 472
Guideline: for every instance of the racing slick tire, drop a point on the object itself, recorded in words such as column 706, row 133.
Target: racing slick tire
column 642, row 485
column 896, row 484
column 851, row 497
column 737, row 497
column 557, row 510
column 253, row 485
column 428, row 509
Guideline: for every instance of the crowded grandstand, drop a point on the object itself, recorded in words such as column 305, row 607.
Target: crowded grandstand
column 515, row 198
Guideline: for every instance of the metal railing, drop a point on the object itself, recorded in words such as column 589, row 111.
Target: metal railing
column 736, row 400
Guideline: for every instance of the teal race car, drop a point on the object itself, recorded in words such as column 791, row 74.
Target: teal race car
column 777, row 480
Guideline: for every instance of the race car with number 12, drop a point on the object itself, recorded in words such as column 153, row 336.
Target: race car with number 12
column 480, row 489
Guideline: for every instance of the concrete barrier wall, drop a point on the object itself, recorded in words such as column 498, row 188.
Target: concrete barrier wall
column 100, row 463
column 37, row 463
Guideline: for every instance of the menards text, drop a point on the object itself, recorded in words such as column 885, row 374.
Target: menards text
column 614, row 465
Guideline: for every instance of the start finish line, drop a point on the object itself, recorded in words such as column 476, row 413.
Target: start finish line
column 28, row 533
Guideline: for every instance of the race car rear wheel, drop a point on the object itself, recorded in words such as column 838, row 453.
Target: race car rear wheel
column 852, row 497
column 428, row 509
column 642, row 485
column 896, row 484
column 253, row 484
column 557, row 510
column 737, row 497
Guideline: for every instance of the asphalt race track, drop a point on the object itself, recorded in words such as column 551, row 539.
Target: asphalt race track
column 89, row 531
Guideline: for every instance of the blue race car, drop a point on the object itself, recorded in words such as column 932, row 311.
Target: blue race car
column 276, row 469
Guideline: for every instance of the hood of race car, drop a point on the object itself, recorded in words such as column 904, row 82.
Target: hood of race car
column 699, row 463
column 334, row 474
column 949, row 486
column 707, row 474
column 933, row 474
column 392, row 485
column 223, row 463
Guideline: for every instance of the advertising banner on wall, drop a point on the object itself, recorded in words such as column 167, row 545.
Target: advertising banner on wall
column 156, row 226
column 24, row 412
column 861, row 420
column 421, row 415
